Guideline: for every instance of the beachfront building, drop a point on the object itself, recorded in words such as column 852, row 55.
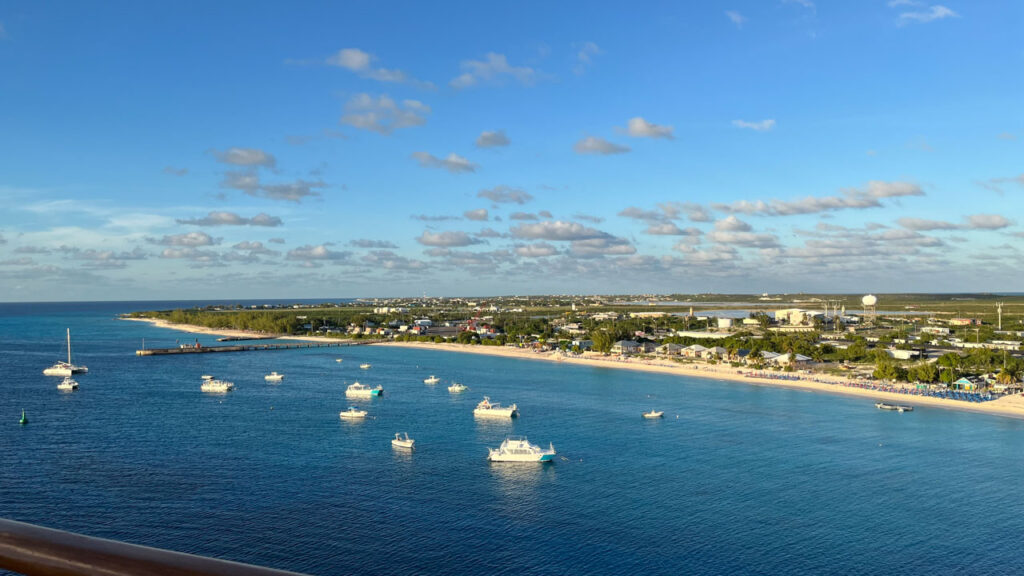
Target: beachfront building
column 714, row 352
column 626, row 347
column 693, row 351
column 724, row 323
column 791, row 359
column 968, row 383
column 670, row 349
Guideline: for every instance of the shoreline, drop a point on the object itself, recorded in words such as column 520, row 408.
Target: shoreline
column 1008, row 406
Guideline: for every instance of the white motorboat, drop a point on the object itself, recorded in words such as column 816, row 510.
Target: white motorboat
column 62, row 368
column 488, row 409
column 432, row 380
column 274, row 377
column 400, row 442
column 358, row 390
column 337, row 359
column 518, row 449
column 456, row 387
column 352, row 413
column 211, row 384
column 654, row 414
column 67, row 384
column 365, row 366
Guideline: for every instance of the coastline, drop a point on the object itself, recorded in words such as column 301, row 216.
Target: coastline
column 1008, row 406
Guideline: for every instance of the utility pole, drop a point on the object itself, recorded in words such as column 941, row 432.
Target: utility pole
column 999, row 312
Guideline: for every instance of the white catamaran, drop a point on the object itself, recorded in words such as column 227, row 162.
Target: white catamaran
column 62, row 368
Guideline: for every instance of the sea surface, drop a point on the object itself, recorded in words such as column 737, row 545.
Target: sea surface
column 736, row 479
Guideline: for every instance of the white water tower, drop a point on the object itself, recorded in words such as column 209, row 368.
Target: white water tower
column 869, row 303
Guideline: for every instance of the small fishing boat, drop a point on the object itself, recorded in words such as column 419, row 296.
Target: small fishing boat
column 337, row 359
column 358, row 390
column 400, row 442
column 456, row 387
column 894, row 407
column 24, row 419
column 365, row 366
column 518, row 449
column 67, row 384
column 274, row 377
column 488, row 409
column 211, row 384
column 352, row 413
column 432, row 380
column 654, row 414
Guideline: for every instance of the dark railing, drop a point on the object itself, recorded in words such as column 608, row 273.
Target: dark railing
column 38, row 551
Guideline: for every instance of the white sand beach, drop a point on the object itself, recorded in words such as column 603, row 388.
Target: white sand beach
column 1010, row 406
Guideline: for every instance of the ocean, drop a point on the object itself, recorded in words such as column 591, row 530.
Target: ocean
column 736, row 479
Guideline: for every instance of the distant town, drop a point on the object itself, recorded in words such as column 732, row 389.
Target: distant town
column 961, row 342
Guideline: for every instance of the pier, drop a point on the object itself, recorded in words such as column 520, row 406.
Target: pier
column 196, row 349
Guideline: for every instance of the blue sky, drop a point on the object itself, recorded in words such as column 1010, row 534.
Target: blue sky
column 258, row 150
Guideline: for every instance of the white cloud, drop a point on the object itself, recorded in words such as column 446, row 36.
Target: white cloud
column 595, row 145
column 3, row 31
column 537, row 250
column 255, row 248
column 352, row 58
column 319, row 252
column 245, row 157
column 805, row 3
column 447, row 239
column 492, row 139
column 365, row 243
column 172, row 171
column 505, row 195
column 479, row 215
column 493, row 69
column 190, row 253
column 557, row 230
column 852, row 198
column 232, row 219
column 935, row 12
column 695, row 212
column 736, row 18
column 923, row 224
column 382, row 114
column 604, row 246
column 759, row 126
column 585, row 57
column 639, row 128
column 987, row 222
column 192, row 239
column 291, row 191
column 359, row 62
column 453, row 163
column 732, row 224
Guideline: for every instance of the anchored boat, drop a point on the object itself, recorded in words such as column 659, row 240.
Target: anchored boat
column 358, row 390
column 400, row 442
column 518, row 449
column 352, row 413
column 62, row 368
column 488, row 409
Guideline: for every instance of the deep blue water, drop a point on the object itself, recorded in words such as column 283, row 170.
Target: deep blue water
column 747, row 480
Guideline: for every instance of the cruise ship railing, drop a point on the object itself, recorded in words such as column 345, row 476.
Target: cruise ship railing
column 37, row 551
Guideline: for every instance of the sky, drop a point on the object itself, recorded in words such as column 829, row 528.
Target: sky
column 194, row 150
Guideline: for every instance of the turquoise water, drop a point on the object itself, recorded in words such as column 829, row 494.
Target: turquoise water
column 736, row 479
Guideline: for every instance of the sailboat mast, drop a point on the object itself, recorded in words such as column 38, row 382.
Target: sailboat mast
column 69, row 345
